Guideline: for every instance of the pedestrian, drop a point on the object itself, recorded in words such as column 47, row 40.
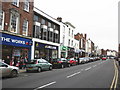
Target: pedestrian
column 78, row 60
column 21, row 64
column 7, row 60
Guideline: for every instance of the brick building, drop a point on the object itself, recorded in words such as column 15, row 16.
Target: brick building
column 16, row 28
column 82, row 42
column 103, row 52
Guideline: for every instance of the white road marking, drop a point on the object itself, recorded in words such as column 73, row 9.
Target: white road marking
column 87, row 68
column 94, row 65
column 73, row 74
column 45, row 85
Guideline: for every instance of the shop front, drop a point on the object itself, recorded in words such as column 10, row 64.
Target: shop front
column 71, row 52
column 15, row 48
column 45, row 51
column 77, row 53
column 64, row 51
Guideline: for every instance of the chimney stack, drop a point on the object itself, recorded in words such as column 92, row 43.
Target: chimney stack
column 59, row 19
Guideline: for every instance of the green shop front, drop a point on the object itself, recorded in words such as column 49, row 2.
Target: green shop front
column 64, row 51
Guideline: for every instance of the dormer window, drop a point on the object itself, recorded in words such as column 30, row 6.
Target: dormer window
column 26, row 5
column 15, row 2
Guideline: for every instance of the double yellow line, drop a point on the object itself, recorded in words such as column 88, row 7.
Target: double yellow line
column 115, row 79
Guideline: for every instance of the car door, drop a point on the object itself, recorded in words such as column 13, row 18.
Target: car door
column 41, row 64
column 46, row 65
column 4, row 69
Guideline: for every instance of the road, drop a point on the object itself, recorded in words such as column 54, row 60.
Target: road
column 98, row 74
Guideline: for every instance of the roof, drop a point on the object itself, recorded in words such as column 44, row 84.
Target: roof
column 69, row 24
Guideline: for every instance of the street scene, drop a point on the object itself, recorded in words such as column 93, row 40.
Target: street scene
column 62, row 49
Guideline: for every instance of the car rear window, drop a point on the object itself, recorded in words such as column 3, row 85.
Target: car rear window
column 32, row 61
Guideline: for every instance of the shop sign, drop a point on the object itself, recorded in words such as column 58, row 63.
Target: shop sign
column 50, row 47
column 64, row 48
column 15, row 41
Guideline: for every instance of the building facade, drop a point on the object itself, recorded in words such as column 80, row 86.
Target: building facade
column 82, row 43
column 16, row 29
column 71, row 33
column 63, row 38
column 46, row 36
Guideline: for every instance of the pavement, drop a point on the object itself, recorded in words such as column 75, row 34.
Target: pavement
column 98, row 74
column 118, row 66
column 22, row 70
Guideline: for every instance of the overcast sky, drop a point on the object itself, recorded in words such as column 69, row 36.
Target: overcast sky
column 97, row 18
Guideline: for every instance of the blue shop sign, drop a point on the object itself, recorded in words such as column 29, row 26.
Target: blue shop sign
column 7, row 39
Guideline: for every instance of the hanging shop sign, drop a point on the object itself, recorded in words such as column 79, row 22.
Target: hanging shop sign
column 6, row 39
column 64, row 48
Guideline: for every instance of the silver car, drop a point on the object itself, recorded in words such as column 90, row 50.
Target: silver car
column 7, row 70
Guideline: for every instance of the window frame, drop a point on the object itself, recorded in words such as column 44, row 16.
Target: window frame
column 3, row 17
column 17, row 23
column 13, row 3
column 28, row 5
column 25, row 27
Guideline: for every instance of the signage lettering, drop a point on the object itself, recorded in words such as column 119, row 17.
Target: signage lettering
column 4, row 39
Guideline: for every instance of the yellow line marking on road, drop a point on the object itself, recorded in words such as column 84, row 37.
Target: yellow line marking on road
column 115, row 79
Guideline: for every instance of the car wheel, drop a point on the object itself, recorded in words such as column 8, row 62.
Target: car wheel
column 39, row 69
column 14, row 73
column 68, row 65
column 27, row 71
column 50, row 68
column 62, row 66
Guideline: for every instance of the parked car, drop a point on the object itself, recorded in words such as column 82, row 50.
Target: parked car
column 38, row 65
column 60, row 63
column 87, row 59
column 104, row 58
column 91, row 59
column 7, row 70
column 72, row 61
column 81, row 60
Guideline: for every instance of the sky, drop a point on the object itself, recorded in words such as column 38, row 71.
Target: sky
column 97, row 18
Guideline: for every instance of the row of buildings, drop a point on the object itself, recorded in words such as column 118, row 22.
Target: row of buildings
column 29, row 33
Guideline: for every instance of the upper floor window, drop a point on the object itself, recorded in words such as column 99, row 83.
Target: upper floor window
column 36, row 18
column 72, row 43
column 72, row 33
column 54, row 26
column 43, row 21
column 49, row 24
column 25, row 28
column 26, row 5
column 14, row 23
column 69, row 31
column 15, row 2
column 1, row 20
column 69, row 42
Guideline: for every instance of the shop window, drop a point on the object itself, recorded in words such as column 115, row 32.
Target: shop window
column 15, row 2
column 1, row 20
column 14, row 23
column 26, row 5
column 25, row 27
